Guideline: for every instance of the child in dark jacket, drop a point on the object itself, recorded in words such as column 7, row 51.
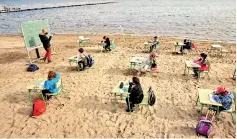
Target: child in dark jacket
column 136, row 94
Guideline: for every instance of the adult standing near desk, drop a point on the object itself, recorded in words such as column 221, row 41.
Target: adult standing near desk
column 46, row 44
column 107, row 43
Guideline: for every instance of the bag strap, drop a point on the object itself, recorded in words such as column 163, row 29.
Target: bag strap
column 212, row 118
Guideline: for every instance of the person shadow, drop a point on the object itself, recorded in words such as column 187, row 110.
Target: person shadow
column 32, row 42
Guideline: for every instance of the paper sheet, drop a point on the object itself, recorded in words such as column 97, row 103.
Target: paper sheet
column 211, row 98
column 41, row 85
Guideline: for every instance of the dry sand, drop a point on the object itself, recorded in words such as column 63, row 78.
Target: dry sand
column 89, row 112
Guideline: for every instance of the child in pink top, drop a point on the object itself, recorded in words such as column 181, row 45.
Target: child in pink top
column 202, row 61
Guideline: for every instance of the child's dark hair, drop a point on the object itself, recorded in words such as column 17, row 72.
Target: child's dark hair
column 104, row 37
column 136, row 80
column 203, row 55
column 155, row 37
column 81, row 50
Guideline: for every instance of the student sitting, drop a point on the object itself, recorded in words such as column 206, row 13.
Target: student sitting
column 202, row 61
column 82, row 55
column 86, row 60
column 188, row 45
column 106, row 44
column 154, row 44
column 49, row 85
column 136, row 94
column 146, row 64
column 223, row 96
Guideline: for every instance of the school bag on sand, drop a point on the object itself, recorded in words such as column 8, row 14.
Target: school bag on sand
column 39, row 107
column 204, row 125
column 153, row 65
column 32, row 68
column 151, row 97
column 90, row 61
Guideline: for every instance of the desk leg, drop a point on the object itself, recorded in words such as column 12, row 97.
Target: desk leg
column 182, row 49
column 188, row 71
column 197, row 100
column 185, row 66
column 30, row 97
column 131, row 67
column 200, row 114
column 129, row 107
column 218, row 113
column 115, row 101
column 199, row 72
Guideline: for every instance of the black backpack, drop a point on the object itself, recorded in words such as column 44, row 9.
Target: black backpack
column 32, row 68
column 151, row 97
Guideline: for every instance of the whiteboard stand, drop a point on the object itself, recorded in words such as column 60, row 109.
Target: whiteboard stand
column 28, row 52
column 54, row 51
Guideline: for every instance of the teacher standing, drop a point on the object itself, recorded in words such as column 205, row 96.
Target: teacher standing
column 46, row 44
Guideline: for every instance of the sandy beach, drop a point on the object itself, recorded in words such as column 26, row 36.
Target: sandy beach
column 89, row 112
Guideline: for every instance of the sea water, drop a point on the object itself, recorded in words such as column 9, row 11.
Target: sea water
column 196, row 19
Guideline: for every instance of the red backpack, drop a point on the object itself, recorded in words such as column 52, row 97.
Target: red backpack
column 39, row 107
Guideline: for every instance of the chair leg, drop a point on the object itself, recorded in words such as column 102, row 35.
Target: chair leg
column 208, row 76
column 58, row 100
column 197, row 100
column 232, row 117
column 46, row 100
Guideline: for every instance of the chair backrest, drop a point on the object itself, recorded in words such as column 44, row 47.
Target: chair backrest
column 234, row 94
column 194, row 46
column 81, row 37
column 59, row 85
column 112, row 46
column 208, row 65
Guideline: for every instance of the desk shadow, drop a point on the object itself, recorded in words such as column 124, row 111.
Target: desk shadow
column 16, row 98
column 95, row 103
column 25, row 111
column 181, row 131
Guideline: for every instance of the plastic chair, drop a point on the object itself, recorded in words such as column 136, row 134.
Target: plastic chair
column 233, row 107
column 59, row 87
column 112, row 46
column 82, row 39
column 143, row 103
column 193, row 47
column 226, row 50
column 206, row 72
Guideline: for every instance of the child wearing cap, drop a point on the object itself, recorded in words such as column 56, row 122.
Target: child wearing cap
column 223, row 96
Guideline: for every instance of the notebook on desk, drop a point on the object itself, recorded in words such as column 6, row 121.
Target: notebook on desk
column 41, row 85
column 211, row 98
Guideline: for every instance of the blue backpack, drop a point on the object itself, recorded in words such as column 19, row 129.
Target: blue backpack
column 32, row 68
column 90, row 61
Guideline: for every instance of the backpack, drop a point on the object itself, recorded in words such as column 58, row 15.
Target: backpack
column 204, row 125
column 38, row 107
column 32, row 68
column 153, row 65
column 151, row 97
column 90, row 61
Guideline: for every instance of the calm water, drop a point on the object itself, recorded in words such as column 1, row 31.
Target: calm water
column 197, row 19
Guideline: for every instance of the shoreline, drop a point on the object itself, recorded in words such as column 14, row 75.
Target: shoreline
column 132, row 35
